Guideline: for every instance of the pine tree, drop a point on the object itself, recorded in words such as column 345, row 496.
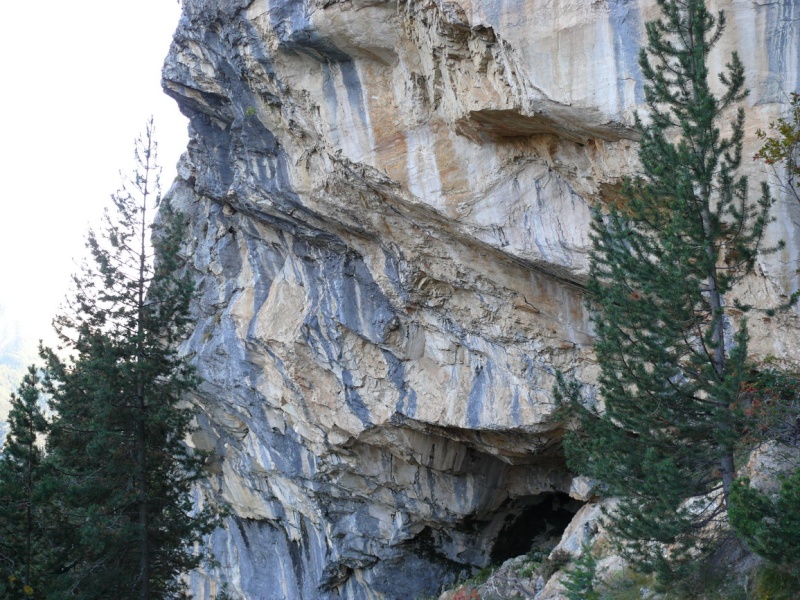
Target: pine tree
column 22, row 534
column 117, row 440
column 663, row 261
column 579, row 581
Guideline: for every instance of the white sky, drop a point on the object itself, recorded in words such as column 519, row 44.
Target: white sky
column 80, row 79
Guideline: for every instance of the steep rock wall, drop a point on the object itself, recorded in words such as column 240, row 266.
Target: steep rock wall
column 389, row 205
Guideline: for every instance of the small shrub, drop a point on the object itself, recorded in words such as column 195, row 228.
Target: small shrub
column 554, row 562
column 769, row 526
column 774, row 584
column 482, row 576
column 580, row 580
column 627, row 585
column 528, row 570
column 537, row 554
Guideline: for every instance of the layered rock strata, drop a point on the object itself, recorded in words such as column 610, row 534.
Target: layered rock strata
column 389, row 207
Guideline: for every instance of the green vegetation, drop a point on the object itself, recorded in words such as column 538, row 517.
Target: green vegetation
column 671, row 347
column 553, row 562
column 770, row 523
column 765, row 584
column 781, row 147
column 113, row 484
column 580, row 579
column 24, row 539
column 775, row 584
column 481, row 577
column 17, row 350
column 630, row 585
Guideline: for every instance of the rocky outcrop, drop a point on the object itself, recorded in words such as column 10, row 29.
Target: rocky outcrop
column 389, row 205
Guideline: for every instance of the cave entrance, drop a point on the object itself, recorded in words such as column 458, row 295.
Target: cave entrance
column 533, row 522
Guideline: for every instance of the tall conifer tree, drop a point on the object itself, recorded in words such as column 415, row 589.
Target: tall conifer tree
column 23, row 538
column 663, row 261
column 118, row 436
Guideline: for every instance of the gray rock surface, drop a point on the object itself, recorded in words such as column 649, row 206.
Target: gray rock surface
column 389, row 207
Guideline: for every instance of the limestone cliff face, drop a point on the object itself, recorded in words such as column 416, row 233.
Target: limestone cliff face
column 389, row 205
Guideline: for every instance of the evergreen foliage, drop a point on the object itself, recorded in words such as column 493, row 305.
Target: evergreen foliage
column 125, row 474
column 579, row 581
column 775, row 584
column 23, row 538
column 769, row 525
column 671, row 359
column 17, row 351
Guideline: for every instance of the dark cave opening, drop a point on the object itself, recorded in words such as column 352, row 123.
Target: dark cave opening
column 535, row 521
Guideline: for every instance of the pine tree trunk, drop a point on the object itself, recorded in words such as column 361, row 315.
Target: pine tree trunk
column 29, row 509
column 141, row 484
column 718, row 356
column 703, row 146
column 141, row 424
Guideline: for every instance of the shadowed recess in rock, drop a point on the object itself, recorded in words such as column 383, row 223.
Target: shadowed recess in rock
column 537, row 520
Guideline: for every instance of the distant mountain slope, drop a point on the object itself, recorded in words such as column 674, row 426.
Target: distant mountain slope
column 17, row 351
